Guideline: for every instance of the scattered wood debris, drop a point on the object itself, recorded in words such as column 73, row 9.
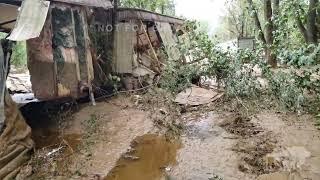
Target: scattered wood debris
column 196, row 96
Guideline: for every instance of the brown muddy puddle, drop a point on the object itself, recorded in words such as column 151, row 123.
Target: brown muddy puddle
column 149, row 157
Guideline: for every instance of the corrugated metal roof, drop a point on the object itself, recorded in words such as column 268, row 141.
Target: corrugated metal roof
column 92, row 3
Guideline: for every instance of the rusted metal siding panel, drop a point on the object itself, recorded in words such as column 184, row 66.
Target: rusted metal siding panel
column 65, row 54
column 41, row 64
column 92, row 3
column 63, row 61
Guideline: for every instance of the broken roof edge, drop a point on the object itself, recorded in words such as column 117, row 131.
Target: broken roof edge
column 134, row 13
column 90, row 3
column 12, row 2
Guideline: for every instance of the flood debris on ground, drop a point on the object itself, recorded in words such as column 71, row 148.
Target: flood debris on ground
column 253, row 153
column 126, row 137
column 195, row 96
column 241, row 126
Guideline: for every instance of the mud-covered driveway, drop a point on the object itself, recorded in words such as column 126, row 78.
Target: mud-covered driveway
column 118, row 140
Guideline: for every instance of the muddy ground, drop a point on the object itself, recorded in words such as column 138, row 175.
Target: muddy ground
column 150, row 138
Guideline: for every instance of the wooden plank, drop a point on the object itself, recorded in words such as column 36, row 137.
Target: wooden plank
column 150, row 44
column 139, row 14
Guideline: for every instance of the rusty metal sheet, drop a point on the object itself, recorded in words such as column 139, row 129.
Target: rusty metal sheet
column 41, row 64
column 92, row 3
column 60, row 59
column 30, row 20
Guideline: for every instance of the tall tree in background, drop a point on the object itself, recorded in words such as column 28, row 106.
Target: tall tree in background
column 236, row 23
column 269, row 28
column 266, row 34
column 309, row 29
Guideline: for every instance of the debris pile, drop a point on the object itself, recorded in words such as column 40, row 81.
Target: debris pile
column 196, row 96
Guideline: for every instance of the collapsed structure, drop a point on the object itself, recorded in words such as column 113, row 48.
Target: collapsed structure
column 82, row 42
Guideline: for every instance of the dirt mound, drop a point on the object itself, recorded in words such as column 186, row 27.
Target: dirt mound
column 241, row 126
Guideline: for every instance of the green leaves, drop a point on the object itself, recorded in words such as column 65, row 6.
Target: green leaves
column 160, row 6
column 300, row 57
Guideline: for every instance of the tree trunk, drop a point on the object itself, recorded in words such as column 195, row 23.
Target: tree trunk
column 311, row 26
column 301, row 27
column 310, row 31
column 257, row 22
column 318, row 20
column 270, row 56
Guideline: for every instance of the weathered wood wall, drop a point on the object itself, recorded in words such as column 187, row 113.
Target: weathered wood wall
column 60, row 61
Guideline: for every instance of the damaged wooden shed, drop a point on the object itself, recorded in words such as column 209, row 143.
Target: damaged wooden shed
column 138, row 46
column 77, row 50
column 60, row 60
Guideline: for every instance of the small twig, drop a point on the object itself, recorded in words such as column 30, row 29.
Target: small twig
column 66, row 143
column 128, row 91
column 239, row 100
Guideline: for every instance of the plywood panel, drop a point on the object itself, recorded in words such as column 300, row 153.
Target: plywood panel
column 125, row 38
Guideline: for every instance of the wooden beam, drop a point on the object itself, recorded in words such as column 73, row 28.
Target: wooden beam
column 150, row 44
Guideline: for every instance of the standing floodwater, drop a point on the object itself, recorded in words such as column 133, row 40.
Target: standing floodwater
column 147, row 159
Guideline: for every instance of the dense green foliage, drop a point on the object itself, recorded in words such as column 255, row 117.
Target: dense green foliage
column 19, row 53
column 296, row 86
column 160, row 6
